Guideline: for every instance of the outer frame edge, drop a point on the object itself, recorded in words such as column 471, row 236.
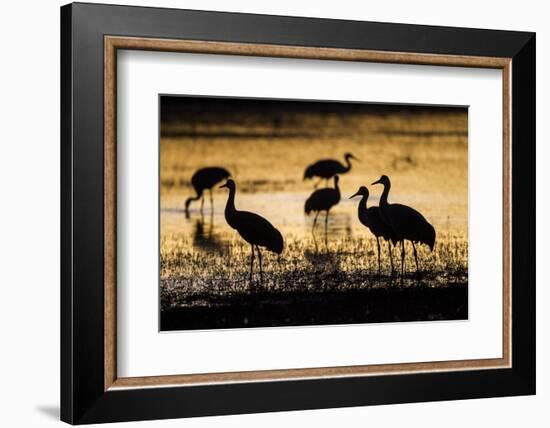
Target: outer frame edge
column 66, row 306
column 524, row 216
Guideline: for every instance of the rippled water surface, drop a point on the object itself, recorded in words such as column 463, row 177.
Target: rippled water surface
column 425, row 155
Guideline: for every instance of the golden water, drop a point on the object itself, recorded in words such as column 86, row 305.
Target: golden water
column 425, row 154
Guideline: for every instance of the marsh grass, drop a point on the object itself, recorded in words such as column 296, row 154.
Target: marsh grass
column 190, row 277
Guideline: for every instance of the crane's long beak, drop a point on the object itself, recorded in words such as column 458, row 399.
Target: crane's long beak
column 357, row 159
column 224, row 185
column 376, row 182
column 354, row 195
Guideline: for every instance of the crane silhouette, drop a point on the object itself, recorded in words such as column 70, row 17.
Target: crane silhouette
column 203, row 179
column 372, row 218
column 406, row 222
column 328, row 168
column 322, row 200
column 254, row 229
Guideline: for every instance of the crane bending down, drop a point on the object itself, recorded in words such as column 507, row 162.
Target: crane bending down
column 406, row 222
column 328, row 168
column 254, row 229
column 322, row 200
column 205, row 179
column 372, row 218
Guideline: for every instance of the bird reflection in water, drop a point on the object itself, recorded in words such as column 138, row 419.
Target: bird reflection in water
column 204, row 237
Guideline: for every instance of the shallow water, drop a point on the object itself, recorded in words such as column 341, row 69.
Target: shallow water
column 424, row 152
column 285, row 210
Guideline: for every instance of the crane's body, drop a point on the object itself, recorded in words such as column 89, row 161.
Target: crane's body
column 322, row 200
column 205, row 179
column 328, row 168
column 406, row 222
column 409, row 224
column 255, row 230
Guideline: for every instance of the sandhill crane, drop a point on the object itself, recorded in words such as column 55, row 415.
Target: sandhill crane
column 372, row 218
column 322, row 200
column 254, row 229
column 406, row 222
column 328, row 168
column 203, row 179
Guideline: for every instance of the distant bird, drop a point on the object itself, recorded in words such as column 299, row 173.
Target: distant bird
column 254, row 229
column 328, row 168
column 203, row 179
column 372, row 218
column 322, row 200
column 406, row 222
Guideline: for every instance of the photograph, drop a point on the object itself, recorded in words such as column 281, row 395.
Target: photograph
column 279, row 213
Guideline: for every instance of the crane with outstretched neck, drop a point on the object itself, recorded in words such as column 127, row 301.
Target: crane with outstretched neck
column 253, row 228
column 328, row 168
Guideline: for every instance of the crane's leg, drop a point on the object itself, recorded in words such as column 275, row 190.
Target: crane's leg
column 251, row 263
column 402, row 257
column 378, row 246
column 211, row 203
column 415, row 257
column 313, row 229
column 326, row 230
column 202, row 204
column 391, row 256
column 261, row 271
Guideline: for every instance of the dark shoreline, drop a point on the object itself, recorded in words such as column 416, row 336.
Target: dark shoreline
column 284, row 309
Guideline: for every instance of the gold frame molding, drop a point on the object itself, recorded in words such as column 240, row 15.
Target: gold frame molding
column 113, row 43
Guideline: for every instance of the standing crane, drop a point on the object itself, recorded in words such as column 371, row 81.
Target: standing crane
column 322, row 200
column 205, row 179
column 328, row 168
column 406, row 222
column 254, row 229
column 372, row 218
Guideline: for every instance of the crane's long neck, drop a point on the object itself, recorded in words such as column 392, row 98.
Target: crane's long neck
column 363, row 204
column 337, row 188
column 230, row 205
column 191, row 199
column 348, row 163
column 362, row 208
column 230, row 210
column 385, row 193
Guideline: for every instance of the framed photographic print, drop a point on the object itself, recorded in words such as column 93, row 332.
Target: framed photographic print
column 305, row 278
column 265, row 213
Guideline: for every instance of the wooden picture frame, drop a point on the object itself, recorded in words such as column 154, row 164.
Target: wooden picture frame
column 91, row 390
